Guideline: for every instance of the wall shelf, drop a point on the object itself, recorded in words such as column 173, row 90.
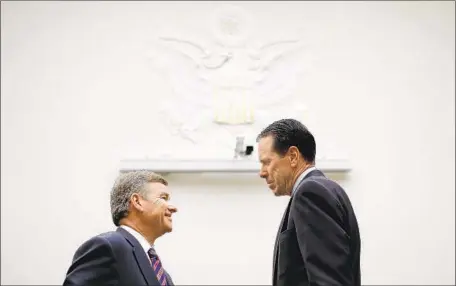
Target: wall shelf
column 217, row 165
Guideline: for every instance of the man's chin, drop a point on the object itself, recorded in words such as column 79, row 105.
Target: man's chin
column 274, row 190
column 277, row 192
column 168, row 228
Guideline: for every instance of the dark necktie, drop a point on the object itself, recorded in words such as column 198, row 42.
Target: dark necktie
column 157, row 267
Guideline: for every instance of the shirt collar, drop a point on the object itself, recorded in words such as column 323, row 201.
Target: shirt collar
column 301, row 177
column 141, row 239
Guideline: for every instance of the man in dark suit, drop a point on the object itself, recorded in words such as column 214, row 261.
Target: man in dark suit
column 318, row 241
column 140, row 209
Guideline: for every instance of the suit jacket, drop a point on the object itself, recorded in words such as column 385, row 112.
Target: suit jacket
column 112, row 258
column 318, row 241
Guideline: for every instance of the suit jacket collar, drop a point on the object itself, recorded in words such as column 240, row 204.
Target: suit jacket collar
column 301, row 177
column 139, row 237
column 314, row 173
column 141, row 258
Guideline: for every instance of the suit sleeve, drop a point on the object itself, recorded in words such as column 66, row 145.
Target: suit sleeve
column 323, row 244
column 93, row 264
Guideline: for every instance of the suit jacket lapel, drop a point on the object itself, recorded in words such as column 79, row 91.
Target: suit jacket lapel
column 276, row 245
column 168, row 279
column 145, row 266
column 141, row 258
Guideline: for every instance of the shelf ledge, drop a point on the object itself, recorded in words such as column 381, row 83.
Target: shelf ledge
column 243, row 165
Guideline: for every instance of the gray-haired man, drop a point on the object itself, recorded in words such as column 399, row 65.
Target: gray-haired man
column 140, row 209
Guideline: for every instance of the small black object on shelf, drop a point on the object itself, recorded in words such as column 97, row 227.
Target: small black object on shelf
column 248, row 150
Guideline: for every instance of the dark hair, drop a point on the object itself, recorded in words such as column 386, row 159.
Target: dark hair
column 290, row 132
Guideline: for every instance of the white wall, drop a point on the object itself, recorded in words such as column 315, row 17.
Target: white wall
column 79, row 94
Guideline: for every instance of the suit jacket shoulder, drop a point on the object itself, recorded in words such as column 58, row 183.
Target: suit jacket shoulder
column 94, row 262
column 324, row 192
column 117, row 241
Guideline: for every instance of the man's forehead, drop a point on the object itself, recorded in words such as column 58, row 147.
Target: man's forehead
column 265, row 148
column 156, row 187
column 265, row 144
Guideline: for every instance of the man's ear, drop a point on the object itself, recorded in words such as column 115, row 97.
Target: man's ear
column 293, row 155
column 136, row 202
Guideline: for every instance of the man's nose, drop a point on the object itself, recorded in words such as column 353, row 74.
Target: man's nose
column 263, row 174
column 172, row 208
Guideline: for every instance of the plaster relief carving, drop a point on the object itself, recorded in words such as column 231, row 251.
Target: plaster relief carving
column 232, row 84
column 231, row 26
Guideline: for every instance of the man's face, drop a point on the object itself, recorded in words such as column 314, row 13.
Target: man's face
column 157, row 210
column 275, row 169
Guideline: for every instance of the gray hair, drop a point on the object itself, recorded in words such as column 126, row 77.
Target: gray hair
column 125, row 186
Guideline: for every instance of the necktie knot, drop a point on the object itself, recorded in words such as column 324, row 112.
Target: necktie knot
column 152, row 253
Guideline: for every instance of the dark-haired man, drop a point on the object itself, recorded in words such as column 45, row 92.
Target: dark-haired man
column 318, row 241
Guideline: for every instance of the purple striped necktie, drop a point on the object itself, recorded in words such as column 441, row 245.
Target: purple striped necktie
column 157, row 267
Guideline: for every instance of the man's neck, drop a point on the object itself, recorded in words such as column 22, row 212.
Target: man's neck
column 150, row 237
